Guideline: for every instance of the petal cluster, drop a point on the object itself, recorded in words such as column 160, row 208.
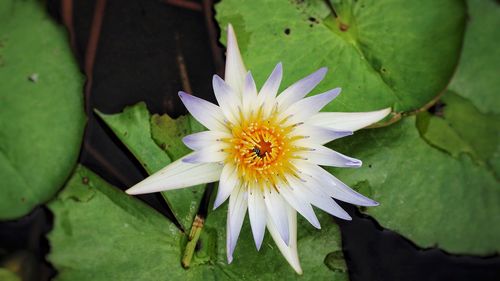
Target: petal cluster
column 266, row 150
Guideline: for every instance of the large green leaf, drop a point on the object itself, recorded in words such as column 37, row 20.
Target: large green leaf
column 433, row 192
column 438, row 183
column 381, row 52
column 479, row 68
column 155, row 142
column 100, row 233
column 41, row 112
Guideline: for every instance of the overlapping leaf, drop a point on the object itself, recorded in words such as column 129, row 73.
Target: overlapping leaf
column 155, row 142
column 41, row 107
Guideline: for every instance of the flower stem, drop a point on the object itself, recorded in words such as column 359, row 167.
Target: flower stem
column 194, row 236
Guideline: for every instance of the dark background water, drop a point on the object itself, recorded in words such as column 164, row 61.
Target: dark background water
column 147, row 50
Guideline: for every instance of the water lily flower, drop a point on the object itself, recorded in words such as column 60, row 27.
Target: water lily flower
column 266, row 151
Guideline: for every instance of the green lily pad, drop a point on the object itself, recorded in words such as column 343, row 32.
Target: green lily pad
column 41, row 107
column 383, row 53
column 7, row 275
column 101, row 233
column 480, row 59
column 431, row 189
column 156, row 142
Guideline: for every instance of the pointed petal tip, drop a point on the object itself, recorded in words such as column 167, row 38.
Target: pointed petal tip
column 320, row 73
column 217, row 83
column 258, row 245
column 248, row 77
column 135, row 190
column 286, row 239
column 380, row 114
column 365, row 202
column 183, row 95
column 215, row 79
column 231, row 37
column 187, row 140
column 130, row 191
column 190, row 159
column 386, row 111
column 218, row 202
column 295, row 263
column 332, row 94
column 313, row 220
column 344, row 216
column 354, row 163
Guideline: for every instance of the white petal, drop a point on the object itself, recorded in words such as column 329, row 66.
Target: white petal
column 211, row 154
column 300, row 88
column 313, row 194
column 257, row 214
column 208, row 114
column 235, row 69
column 249, row 97
column 228, row 182
column 294, row 198
column 305, row 108
column 203, row 139
column 235, row 216
column 331, row 185
column 324, row 156
column 288, row 251
column 350, row 121
column 228, row 100
column 178, row 175
column 318, row 134
column 267, row 94
column 276, row 207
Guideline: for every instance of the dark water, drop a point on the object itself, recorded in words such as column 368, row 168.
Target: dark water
column 137, row 59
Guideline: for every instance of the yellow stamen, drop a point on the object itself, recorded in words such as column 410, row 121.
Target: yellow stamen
column 261, row 149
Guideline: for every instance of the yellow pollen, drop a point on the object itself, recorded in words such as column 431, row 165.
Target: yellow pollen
column 261, row 150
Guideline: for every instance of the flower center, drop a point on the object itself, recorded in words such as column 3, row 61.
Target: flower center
column 261, row 150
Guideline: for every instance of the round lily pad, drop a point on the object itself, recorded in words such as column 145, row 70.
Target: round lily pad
column 383, row 53
column 41, row 107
